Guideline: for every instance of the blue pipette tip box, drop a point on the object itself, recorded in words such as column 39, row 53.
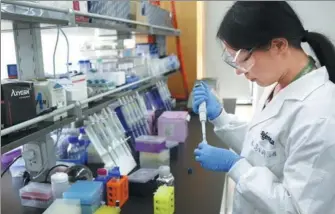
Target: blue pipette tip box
column 88, row 192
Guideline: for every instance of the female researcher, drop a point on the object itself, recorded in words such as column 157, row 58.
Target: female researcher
column 285, row 158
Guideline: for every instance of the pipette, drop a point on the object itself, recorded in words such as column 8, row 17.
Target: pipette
column 203, row 117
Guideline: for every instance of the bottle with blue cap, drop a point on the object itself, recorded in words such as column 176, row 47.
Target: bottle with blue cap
column 73, row 151
column 114, row 173
column 83, row 137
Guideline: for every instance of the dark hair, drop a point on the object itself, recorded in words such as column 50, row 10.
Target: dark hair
column 253, row 24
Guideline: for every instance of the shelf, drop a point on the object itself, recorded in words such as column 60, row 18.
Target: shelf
column 14, row 140
column 42, row 14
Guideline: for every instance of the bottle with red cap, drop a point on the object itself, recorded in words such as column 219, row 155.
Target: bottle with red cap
column 102, row 176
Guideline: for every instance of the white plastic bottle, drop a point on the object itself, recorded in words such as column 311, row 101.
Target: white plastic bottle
column 59, row 184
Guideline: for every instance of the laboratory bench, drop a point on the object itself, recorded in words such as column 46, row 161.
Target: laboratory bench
column 196, row 193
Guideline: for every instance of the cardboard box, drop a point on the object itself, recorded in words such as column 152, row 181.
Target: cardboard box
column 145, row 12
column 117, row 9
column 75, row 5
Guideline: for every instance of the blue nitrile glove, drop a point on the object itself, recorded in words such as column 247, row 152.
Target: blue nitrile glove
column 203, row 93
column 215, row 159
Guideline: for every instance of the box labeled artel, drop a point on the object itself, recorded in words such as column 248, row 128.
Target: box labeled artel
column 17, row 102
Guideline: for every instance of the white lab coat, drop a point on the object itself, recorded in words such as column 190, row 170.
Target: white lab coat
column 289, row 150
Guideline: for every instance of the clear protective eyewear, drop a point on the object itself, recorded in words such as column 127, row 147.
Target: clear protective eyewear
column 241, row 60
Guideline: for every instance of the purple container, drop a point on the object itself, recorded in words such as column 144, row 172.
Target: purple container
column 173, row 125
column 8, row 157
column 152, row 144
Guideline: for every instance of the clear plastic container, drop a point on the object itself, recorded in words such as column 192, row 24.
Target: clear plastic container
column 165, row 176
column 84, row 66
column 99, row 65
column 143, row 175
column 64, row 206
column 155, row 160
column 83, row 138
column 74, row 151
column 63, row 143
column 109, row 65
column 36, row 195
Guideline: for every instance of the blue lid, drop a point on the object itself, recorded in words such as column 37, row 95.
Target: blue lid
column 115, row 172
column 81, row 61
column 88, row 192
column 87, row 61
column 73, row 139
column 103, row 81
column 82, row 130
column 57, row 85
column 12, row 70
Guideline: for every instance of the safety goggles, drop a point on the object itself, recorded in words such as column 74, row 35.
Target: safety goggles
column 241, row 60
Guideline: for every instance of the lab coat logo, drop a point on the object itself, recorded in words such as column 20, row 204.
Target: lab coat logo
column 265, row 136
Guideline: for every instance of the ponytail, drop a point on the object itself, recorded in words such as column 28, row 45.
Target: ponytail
column 324, row 50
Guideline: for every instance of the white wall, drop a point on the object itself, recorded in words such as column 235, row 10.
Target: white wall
column 316, row 16
column 231, row 85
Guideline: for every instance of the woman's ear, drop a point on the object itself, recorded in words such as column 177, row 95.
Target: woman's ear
column 279, row 46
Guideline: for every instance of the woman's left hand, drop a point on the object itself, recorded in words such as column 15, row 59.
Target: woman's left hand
column 215, row 159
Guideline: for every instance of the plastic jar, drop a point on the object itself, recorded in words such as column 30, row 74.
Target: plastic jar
column 165, row 176
column 59, row 184
column 84, row 66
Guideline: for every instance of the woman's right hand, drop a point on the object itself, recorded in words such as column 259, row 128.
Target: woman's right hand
column 202, row 93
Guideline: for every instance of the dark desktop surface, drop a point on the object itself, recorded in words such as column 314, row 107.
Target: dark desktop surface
column 196, row 193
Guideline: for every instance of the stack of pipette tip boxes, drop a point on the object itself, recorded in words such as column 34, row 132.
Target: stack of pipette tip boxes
column 107, row 210
column 153, row 151
column 164, row 200
column 64, row 206
column 36, row 195
column 88, row 192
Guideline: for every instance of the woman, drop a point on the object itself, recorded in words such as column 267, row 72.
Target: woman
column 285, row 158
